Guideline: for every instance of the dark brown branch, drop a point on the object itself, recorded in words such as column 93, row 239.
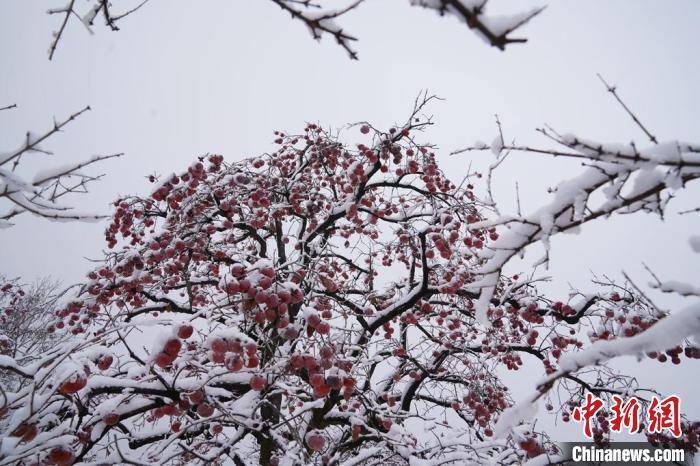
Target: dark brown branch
column 318, row 25
column 472, row 17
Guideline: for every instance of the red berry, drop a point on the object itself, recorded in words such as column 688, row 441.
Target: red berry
column 185, row 331
column 218, row 346
column 172, row 347
column 251, row 347
column 196, row 397
column 234, row 364
column 72, row 386
column 104, row 362
column 317, row 380
column 26, row 431
column 315, row 441
column 323, row 328
column 163, row 360
column 205, row 409
column 61, row 456
column 30, row 433
column 327, row 352
column 111, row 419
column 257, row 383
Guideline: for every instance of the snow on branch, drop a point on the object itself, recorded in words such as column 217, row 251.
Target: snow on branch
column 87, row 18
column 626, row 177
column 320, row 21
column 40, row 194
column 495, row 30
column 664, row 334
column 617, row 178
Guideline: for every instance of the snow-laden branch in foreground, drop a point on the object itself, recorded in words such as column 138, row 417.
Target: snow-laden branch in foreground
column 666, row 333
column 619, row 178
column 40, row 193
column 627, row 179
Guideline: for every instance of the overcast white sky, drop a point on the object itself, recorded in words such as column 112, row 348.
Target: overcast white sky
column 183, row 78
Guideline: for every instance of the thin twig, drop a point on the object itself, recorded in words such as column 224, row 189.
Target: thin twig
column 127, row 13
column 659, row 311
column 613, row 91
column 68, row 10
column 32, row 144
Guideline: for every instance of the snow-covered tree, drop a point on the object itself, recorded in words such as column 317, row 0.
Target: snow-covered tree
column 320, row 18
column 26, row 313
column 332, row 304
column 41, row 192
